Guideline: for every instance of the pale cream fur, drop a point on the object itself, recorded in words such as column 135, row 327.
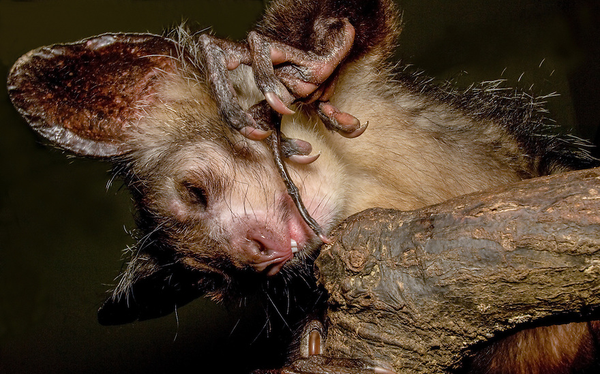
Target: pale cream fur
column 398, row 162
column 404, row 160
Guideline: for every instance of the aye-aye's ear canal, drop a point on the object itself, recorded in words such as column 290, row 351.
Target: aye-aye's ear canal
column 87, row 96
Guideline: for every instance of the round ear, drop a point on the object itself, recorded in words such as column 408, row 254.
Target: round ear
column 87, row 96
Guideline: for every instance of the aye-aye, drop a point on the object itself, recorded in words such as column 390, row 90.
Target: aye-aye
column 181, row 117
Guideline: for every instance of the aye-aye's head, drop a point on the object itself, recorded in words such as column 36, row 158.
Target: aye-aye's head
column 212, row 207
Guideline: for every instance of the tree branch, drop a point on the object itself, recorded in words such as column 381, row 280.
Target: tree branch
column 419, row 290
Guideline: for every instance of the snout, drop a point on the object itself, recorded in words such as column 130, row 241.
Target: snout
column 265, row 240
column 270, row 250
column 263, row 249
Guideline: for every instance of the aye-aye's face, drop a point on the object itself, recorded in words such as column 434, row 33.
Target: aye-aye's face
column 214, row 197
column 208, row 197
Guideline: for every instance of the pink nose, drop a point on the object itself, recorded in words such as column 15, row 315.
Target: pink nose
column 262, row 249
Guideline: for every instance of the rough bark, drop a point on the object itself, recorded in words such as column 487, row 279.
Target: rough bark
column 418, row 290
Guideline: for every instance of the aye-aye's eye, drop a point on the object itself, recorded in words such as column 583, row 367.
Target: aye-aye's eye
column 195, row 195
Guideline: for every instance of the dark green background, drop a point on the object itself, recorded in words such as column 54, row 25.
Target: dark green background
column 62, row 231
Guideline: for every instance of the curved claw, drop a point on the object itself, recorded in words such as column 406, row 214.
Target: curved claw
column 298, row 151
column 356, row 133
column 302, row 159
column 314, row 343
column 274, row 90
column 345, row 124
column 253, row 133
column 277, row 104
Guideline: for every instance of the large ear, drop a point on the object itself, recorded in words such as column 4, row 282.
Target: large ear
column 149, row 289
column 86, row 96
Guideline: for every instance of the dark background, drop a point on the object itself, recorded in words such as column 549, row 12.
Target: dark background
column 62, row 231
